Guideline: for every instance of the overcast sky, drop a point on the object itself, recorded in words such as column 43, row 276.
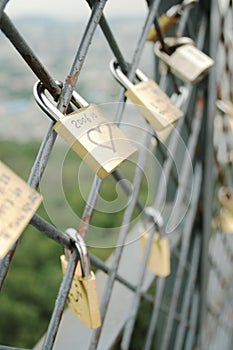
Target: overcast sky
column 73, row 9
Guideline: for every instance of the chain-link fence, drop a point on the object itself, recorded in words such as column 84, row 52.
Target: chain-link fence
column 191, row 307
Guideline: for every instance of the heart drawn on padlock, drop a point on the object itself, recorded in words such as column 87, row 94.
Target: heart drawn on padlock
column 102, row 128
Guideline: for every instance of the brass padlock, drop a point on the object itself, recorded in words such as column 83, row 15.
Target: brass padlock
column 100, row 143
column 225, row 196
column 225, row 221
column 18, row 203
column 153, row 103
column 82, row 298
column 186, row 61
column 225, row 106
column 169, row 19
column 159, row 258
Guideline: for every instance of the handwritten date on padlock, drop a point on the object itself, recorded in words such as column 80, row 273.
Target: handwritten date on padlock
column 18, row 203
column 154, row 104
column 100, row 143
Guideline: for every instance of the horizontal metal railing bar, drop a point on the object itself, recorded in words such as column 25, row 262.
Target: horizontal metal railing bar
column 51, row 231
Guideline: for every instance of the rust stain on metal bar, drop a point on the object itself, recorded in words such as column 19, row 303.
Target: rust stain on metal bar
column 71, row 79
column 83, row 226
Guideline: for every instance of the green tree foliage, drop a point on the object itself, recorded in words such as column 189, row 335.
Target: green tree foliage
column 29, row 292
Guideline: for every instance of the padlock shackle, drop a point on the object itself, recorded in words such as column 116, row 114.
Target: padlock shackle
column 122, row 78
column 48, row 107
column 180, row 98
column 81, row 247
column 176, row 10
column 171, row 42
column 154, row 216
column 187, row 3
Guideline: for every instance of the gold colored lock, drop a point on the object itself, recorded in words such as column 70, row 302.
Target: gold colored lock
column 166, row 23
column 100, row 143
column 186, row 61
column 169, row 19
column 83, row 297
column 225, row 221
column 18, row 203
column 225, row 196
column 159, row 258
column 153, row 103
column 225, row 107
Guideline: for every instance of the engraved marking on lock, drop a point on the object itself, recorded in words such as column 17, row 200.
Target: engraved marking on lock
column 79, row 122
column 18, row 203
column 99, row 129
column 101, row 144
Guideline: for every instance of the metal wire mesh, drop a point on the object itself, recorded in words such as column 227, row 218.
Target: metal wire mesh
column 176, row 302
column 218, row 328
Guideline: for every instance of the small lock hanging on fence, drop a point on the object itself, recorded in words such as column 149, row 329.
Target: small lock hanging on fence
column 153, row 103
column 225, row 196
column 225, row 106
column 186, row 61
column 224, row 220
column 159, row 258
column 82, row 298
column 18, row 203
column 169, row 19
column 100, row 143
